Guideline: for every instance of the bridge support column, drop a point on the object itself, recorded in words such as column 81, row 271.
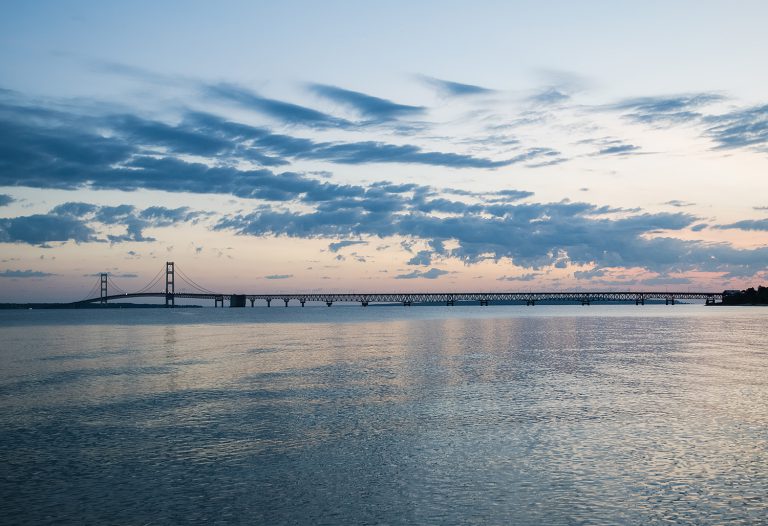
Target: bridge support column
column 252, row 300
column 640, row 301
column 217, row 300
column 329, row 303
column 483, row 303
column 669, row 301
column 170, row 275
column 269, row 302
column 406, row 303
column 302, row 302
column 584, row 302
column 286, row 300
column 449, row 303
column 364, row 303
column 103, row 294
column 530, row 303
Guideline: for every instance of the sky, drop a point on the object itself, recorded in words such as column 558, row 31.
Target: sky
column 381, row 147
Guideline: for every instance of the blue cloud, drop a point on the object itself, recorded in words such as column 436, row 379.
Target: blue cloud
column 335, row 247
column 678, row 203
column 41, row 229
column 78, row 222
column 549, row 96
column 747, row 128
column 531, row 276
column 422, row 257
column 455, row 89
column 282, row 111
column 432, row 273
column 24, row 274
column 747, row 224
column 620, row 149
column 370, row 107
column 667, row 110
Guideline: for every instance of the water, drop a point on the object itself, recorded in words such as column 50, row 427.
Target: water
column 422, row 415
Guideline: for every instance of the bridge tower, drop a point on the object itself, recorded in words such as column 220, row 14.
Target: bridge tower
column 103, row 294
column 170, row 299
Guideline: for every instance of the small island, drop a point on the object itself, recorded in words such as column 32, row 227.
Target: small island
column 750, row 296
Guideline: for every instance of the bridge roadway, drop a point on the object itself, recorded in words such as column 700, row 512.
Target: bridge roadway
column 446, row 298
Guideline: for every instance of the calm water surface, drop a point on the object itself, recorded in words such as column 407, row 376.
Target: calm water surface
column 422, row 415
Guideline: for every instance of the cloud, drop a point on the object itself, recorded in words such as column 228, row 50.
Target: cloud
column 747, row 224
column 279, row 276
column 679, row 204
column 666, row 109
column 455, row 89
column 744, row 128
column 550, row 96
column 524, row 277
column 370, row 107
column 423, row 257
column 282, row 111
column 619, row 149
column 335, row 247
column 24, row 274
column 160, row 216
column 68, row 151
column 432, row 273
column 81, row 223
column 6, row 199
column 41, row 229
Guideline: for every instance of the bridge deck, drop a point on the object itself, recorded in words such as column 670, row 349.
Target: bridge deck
column 433, row 297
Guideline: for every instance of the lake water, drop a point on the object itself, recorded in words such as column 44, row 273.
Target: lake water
column 424, row 415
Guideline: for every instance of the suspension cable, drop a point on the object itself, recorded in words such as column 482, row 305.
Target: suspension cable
column 114, row 285
column 192, row 283
column 152, row 283
column 91, row 293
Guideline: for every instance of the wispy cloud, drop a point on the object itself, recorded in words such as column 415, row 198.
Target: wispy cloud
column 368, row 106
column 335, row 247
column 24, row 274
column 455, row 89
column 432, row 273
column 286, row 112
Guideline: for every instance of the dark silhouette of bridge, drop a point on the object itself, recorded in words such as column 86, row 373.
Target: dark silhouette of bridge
column 163, row 285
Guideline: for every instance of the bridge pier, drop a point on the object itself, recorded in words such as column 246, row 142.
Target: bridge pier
column 329, row 303
column 364, row 303
column 530, row 303
column 252, row 300
column 269, row 302
column 217, row 300
column 286, row 300
column 640, row 301
column 302, row 301
column 483, row 303
column 584, row 302
column 669, row 301
column 449, row 303
column 406, row 303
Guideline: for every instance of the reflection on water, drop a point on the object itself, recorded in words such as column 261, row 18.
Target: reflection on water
column 614, row 415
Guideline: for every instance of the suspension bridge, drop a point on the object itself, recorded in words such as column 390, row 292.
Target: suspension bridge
column 163, row 285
